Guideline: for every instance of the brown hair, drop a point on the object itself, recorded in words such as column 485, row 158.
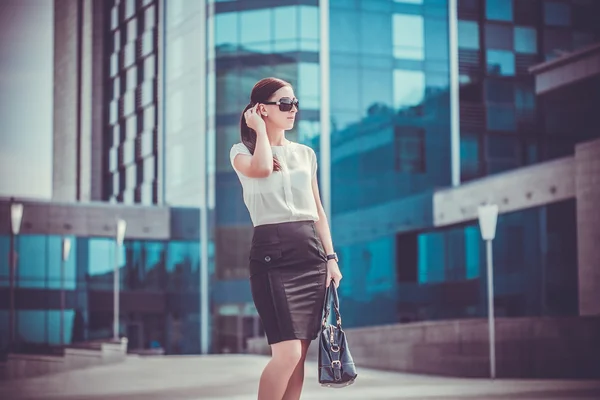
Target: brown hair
column 261, row 92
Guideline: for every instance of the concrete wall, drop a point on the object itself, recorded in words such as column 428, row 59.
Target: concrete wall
column 95, row 219
column 66, row 108
column 20, row 366
column 78, row 100
column 523, row 188
column 526, row 347
column 587, row 178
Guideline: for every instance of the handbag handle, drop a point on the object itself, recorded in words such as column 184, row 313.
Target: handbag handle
column 331, row 292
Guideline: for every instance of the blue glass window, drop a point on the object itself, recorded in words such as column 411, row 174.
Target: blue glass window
column 101, row 262
column 469, row 156
column 182, row 265
column 525, row 100
column 285, row 28
column 557, row 13
column 4, row 256
column 468, row 35
column 499, row 91
column 409, row 88
column 410, row 150
column 31, row 326
column 499, row 10
column 376, row 88
column 375, row 36
column 525, row 40
column 432, row 255
column 500, row 62
column 502, row 153
column 55, row 254
column 499, row 37
column 309, row 28
column 473, row 251
column 226, row 29
column 343, row 31
column 408, row 36
column 436, row 40
column 32, row 255
column 501, row 117
column 255, row 30
column 53, row 333
column 344, row 90
column 308, row 85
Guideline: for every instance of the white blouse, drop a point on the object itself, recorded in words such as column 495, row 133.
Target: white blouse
column 285, row 195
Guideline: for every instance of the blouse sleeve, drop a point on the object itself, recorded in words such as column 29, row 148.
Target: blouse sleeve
column 313, row 157
column 238, row 148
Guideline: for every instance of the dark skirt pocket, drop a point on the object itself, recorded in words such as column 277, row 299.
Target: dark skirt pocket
column 264, row 257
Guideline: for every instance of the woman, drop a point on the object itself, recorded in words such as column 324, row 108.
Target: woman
column 291, row 258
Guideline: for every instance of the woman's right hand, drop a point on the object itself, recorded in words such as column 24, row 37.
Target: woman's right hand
column 254, row 119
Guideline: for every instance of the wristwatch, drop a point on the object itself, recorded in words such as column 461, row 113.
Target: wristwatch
column 332, row 256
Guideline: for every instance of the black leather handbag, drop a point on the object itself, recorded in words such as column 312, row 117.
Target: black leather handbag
column 336, row 366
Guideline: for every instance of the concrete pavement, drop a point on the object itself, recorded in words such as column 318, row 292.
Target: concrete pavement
column 235, row 377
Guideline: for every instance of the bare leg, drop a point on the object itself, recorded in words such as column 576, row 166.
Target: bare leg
column 277, row 373
column 294, row 388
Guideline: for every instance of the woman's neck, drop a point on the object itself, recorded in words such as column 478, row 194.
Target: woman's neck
column 277, row 138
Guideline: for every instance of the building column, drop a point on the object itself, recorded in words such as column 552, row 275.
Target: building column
column 67, row 19
column 587, row 189
column 78, row 126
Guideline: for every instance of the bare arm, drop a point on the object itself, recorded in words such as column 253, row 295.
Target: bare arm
column 260, row 164
column 322, row 226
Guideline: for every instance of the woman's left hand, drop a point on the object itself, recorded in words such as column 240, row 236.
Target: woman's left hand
column 333, row 272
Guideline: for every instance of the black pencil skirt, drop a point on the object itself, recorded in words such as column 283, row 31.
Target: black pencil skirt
column 288, row 270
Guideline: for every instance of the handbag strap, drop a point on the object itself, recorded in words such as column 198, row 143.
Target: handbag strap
column 332, row 294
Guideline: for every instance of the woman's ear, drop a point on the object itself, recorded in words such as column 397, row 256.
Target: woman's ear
column 263, row 110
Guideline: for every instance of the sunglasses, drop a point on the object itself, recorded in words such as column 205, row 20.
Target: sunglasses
column 285, row 104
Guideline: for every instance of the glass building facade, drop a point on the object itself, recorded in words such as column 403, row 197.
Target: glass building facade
column 160, row 301
column 131, row 93
column 387, row 139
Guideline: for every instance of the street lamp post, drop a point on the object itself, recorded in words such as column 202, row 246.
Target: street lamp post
column 66, row 249
column 121, row 227
column 16, row 217
column 488, row 217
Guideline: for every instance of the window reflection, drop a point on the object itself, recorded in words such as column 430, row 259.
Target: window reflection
column 409, row 88
column 468, row 35
column 499, row 37
column 309, row 26
column 500, row 62
column 410, row 149
column 343, row 31
column 344, row 90
column 469, row 156
column 101, row 261
column 226, row 30
column 308, row 85
column 4, row 256
column 377, row 88
column 183, row 264
column 557, row 13
column 525, row 40
column 502, row 153
column 53, row 318
column 408, row 36
column 501, row 10
column 431, row 257
column 255, row 30
column 32, row 253
column 501, row 117
column 375, row 34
